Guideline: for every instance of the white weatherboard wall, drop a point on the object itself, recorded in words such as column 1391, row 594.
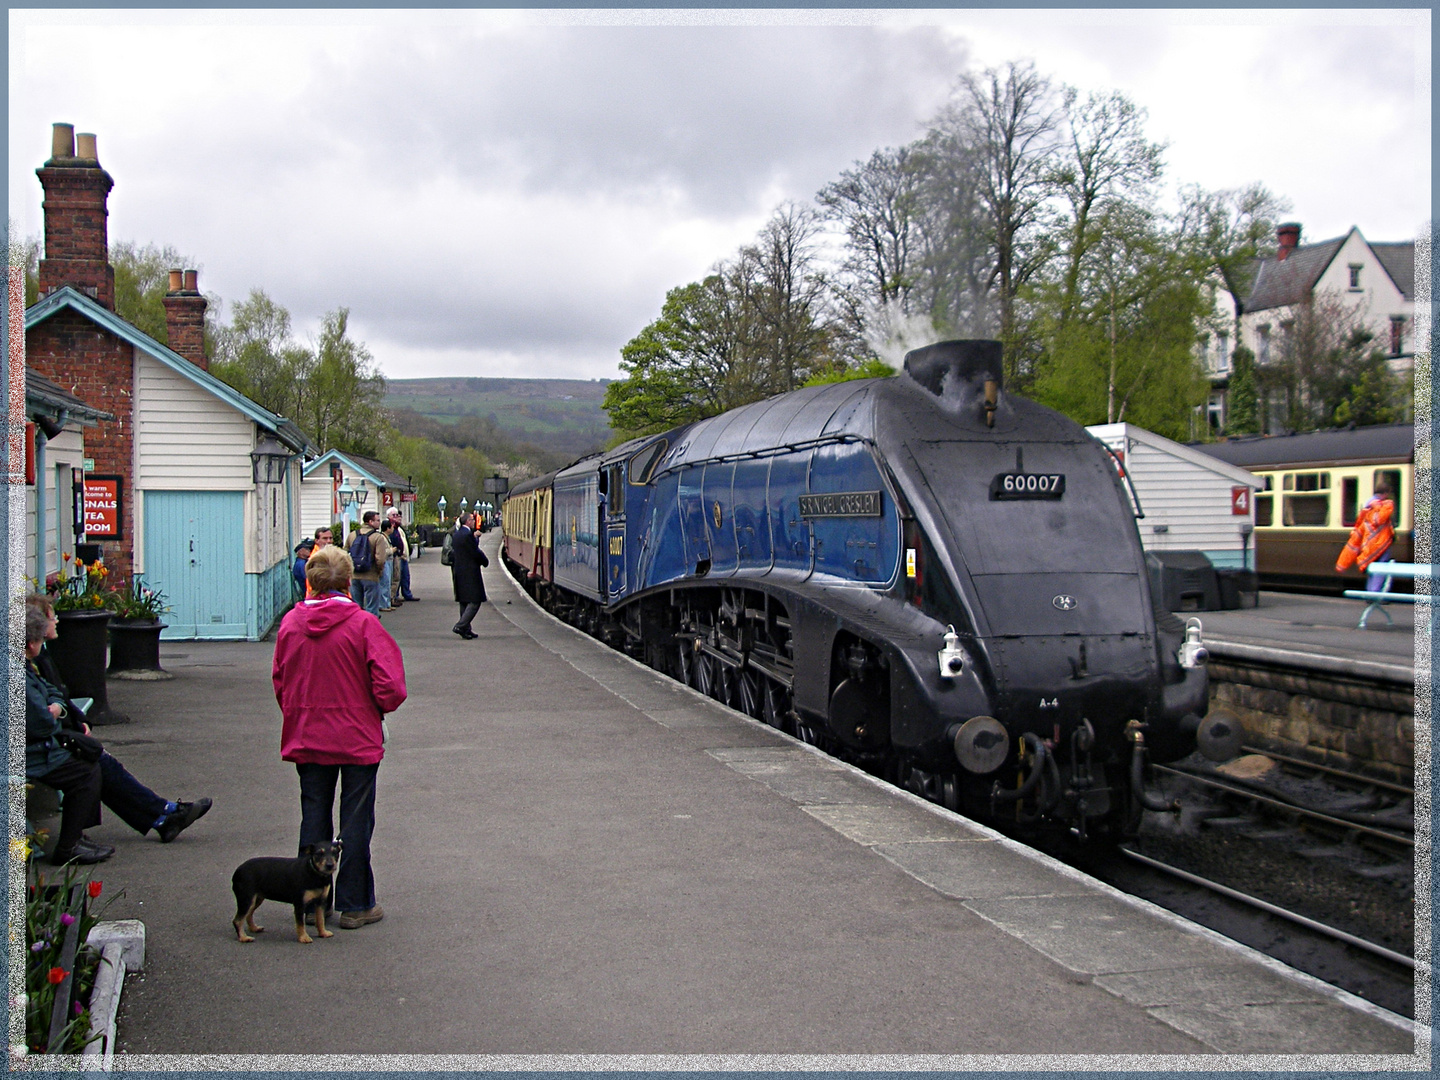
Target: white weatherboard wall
column 315, row 503
column 1186, row 495
column 64, row 452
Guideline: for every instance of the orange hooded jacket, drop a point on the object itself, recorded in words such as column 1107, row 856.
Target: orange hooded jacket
column 1372, row 536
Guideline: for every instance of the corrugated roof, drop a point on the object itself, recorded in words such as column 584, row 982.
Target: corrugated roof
column 1399, row 262
column 69, row 297
column 1382, row 442
column 1281, row 283
column 42, row 392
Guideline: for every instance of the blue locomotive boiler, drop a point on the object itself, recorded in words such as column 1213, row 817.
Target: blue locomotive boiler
column 929, row 576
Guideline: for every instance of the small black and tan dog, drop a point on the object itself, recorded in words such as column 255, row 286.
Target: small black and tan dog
column 303, row 882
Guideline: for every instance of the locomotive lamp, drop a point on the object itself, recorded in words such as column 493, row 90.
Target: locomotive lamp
column 952, row 657
column 1192, row 653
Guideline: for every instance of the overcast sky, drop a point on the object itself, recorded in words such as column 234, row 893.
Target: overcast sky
column 512, row 193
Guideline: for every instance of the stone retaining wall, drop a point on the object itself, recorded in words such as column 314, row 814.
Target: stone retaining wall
column 1342, row 723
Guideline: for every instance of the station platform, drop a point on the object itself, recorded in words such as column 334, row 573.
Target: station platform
column 1321, row 626
column 586, row 865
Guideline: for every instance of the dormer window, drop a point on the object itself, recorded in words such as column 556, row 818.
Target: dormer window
column 1355, row 276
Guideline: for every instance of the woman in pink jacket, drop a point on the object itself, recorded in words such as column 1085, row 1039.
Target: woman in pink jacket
column 337, row 673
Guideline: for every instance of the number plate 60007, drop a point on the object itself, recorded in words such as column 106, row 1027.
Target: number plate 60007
column 1014, row 485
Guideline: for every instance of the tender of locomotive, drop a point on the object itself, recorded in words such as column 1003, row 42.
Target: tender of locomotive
column 929, row 576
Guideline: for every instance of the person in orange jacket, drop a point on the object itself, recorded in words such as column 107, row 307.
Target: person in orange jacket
column 1372, row 536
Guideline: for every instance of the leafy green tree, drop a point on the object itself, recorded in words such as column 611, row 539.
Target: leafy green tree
column 1242, row 416
column 874, row 368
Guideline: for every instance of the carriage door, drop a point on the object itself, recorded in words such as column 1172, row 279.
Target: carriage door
column 614, row 561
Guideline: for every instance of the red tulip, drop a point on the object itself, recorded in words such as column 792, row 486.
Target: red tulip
column 93, row 889
column 57, row 975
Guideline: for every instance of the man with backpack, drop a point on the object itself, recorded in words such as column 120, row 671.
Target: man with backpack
column 368, row 551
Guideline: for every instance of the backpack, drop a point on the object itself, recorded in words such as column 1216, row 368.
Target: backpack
column 362, row 553
column 447, row 551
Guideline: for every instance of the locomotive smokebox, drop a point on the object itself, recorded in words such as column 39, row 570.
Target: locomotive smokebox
column 956, row 368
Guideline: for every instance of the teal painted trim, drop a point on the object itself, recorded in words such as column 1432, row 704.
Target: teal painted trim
column 68, row 297
column 270, row 595
column 1231, row 559
column 324, row 460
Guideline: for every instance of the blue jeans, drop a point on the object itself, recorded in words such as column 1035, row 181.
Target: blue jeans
column 366, row 594
column 405, row 580
column 136, row 804
column 1375, row 579
column 355, row 883
column 386, row 576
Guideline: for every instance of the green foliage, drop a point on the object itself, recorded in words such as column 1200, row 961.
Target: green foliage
column 333, row 390
column 136, row 601
column 1242, row 410
column 873, row 368
column 24, row 251
column 1373, row 393
column 436, row 470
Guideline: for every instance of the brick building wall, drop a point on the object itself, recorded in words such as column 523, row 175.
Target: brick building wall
column 98, row 368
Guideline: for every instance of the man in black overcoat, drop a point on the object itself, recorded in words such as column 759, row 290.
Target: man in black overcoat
column 465, row 573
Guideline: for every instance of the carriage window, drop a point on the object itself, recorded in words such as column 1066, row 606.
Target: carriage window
column 1349, row 500
column 1264, row 511
column 1303, row 510
column 1393, row 476
column 1309, row 482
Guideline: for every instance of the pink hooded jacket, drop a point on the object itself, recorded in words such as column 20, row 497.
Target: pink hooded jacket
column 337, row 672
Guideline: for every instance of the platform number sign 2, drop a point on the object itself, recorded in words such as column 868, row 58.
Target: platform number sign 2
column 1240, row 501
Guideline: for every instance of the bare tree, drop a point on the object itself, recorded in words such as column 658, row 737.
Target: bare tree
column 787, row 294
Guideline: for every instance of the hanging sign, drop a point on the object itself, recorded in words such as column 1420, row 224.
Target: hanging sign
column 1239, row 501
column 102, row 507
column 407, row 496
column 386, row 498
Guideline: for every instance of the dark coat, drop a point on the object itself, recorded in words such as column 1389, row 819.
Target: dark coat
column 465, row 570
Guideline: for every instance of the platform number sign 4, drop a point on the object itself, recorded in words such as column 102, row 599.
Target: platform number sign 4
column 1240, row 501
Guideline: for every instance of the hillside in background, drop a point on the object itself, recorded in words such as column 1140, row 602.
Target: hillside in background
column 544, row 419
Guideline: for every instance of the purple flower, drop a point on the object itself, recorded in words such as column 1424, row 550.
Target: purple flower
column 39, row 946
column 66, row 919
column 79, row 1008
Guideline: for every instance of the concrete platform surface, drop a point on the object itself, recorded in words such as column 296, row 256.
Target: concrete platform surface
column 1320, row 624
column 579, row 857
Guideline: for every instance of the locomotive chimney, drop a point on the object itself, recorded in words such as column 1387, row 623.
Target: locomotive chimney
column 961, row 373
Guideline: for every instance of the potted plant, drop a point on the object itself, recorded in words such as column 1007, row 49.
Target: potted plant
column 135, row 631
column 78, row 593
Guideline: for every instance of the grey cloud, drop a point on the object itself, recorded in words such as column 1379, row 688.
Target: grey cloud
column 717, row 114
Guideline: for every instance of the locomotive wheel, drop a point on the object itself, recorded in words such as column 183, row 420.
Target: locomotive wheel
column 685, row 663
column 704, row 675
column 772, row 705
column 751, row 694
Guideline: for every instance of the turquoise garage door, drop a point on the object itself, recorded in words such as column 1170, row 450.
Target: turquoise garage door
column 194, row 554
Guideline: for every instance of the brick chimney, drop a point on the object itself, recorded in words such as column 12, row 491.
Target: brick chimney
column 1288, row 237
column 185, row 317
column 76, row 188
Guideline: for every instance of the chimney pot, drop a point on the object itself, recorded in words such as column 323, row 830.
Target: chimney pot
column 85, row 147
column 175, row 278
column 1287, row 236
column 62, row 141
column 192, row 281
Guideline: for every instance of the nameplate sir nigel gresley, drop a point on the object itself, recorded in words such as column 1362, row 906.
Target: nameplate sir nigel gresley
column 841, row 504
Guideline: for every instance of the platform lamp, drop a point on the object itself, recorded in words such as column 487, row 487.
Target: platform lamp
column 464, row 505
column 268, row 462
column 346, row 493
column 362, row 493
column 442, row 504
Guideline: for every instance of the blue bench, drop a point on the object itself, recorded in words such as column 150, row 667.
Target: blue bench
column 1378, row 600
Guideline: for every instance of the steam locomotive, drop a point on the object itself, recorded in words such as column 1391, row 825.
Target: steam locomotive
column 932, row 578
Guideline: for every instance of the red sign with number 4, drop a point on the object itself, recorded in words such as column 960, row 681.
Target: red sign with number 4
column 1240, row 501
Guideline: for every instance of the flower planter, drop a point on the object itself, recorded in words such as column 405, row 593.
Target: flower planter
column 135, row 649
column 79, row 655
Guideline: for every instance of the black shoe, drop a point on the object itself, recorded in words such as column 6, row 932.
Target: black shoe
column 464, row 631
column 83, row 853
column 412, row 599
column 185, row 815
column 469, row 635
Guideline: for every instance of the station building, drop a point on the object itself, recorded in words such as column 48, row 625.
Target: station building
column 206, row 482
column 340, row 487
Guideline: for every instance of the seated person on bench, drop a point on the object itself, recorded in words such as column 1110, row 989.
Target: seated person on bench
column 85, row 784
